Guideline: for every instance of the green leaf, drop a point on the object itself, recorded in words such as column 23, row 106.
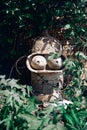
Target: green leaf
column 61, row 126
column 50, row 127
column 3, row 121
column 54, row 55
column 85, row 75
column 28, row 16
column 80, row 55
column 85, row 126
column 12, row 83
column 71, row 127
column 9, row 99
column 3, row 81
column 2, row 76
column 58, row 126
column 44, row 122
column 69, row 119
column 32, row 121
column 5, row 92
column 67, row 26
column 8, row 122
column 83, row 30
column 74, row 116
column 46, row 118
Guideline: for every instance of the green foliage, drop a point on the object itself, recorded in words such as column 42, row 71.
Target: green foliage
column 75, row 118
column 54, row 56
column 17, row 106
column 81, row 56
column 13, row 98
column 31, row 17
column 74, row 69
column 75, row 115
column 19, row 110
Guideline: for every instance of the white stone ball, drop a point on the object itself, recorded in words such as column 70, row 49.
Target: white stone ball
column 38, row 62
column 55, row 64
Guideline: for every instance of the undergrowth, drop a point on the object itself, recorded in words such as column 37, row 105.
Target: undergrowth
column 20, row 110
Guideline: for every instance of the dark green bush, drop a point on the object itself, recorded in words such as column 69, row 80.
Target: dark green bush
column 38, row 15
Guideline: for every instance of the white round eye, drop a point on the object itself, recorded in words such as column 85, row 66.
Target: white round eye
column 38, row 62
column 57, row 61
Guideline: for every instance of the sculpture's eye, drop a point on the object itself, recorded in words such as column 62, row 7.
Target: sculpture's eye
column 57, row 62
column 38, row 61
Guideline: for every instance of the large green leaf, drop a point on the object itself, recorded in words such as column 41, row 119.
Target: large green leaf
column 33, row 122
column 81, row 55
column 58, row 126
column 69, row 119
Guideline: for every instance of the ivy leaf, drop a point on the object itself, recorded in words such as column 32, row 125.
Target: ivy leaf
column 80, row 55
column 53, row 56
column 33, row 123
column 2, row 76
column 67, row 26
column 3, row 81
column 12, row 83
column 5, row 92
column 46, row 118
column 69, row 64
